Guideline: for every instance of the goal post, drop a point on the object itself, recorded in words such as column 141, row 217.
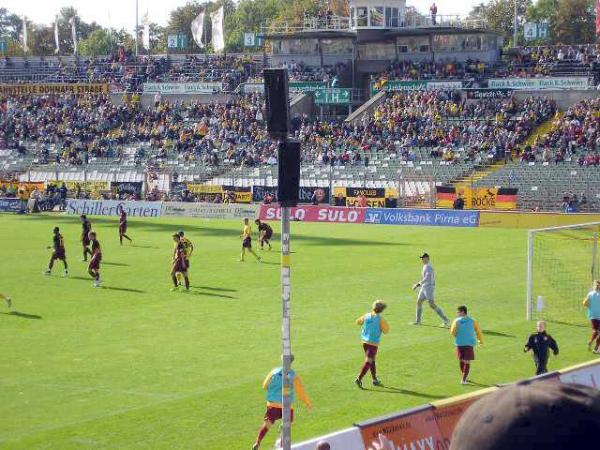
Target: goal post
column 562, row 263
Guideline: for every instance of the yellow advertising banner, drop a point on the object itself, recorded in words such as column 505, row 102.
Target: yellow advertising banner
column 243, row 197
column 205, row 188
column 55, row 88
column 85, row 186
column 372, row 202
column 488, row 198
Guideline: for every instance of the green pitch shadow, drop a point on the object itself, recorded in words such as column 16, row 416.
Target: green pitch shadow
column 497, row 334
column 211, row 294
column 393, row 390
column 111, row 288
column 23, row 315
column 214, row 288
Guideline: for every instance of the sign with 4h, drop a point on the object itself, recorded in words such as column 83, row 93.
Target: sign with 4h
column 335, row 96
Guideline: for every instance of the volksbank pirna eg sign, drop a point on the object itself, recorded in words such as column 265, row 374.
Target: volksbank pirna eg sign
column 334, row 96
column 429, row 217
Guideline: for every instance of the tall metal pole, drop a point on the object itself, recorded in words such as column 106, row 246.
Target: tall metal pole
column 286, row 290
column 137, row 30
column 515, row 34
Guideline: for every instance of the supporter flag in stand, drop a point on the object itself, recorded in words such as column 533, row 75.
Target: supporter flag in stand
column 198, row 29
column 506, row 198
column 72, row 21
column 25, row 47
column 56, row 39
column 146, row 32
column 598, row 18
column 445, row 196
column 218, row 37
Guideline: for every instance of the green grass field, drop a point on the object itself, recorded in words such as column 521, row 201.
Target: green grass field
column 135, row 366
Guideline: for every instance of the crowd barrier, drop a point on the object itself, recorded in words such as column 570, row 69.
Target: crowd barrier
column 323, row 214
column 114, row 208
column 209, row 210
column 430, row 426
column 11, row 205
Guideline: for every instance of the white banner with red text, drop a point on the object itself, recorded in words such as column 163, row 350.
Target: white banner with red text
column 311, row 213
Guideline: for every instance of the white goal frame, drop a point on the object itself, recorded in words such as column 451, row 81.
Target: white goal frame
column 530, row 258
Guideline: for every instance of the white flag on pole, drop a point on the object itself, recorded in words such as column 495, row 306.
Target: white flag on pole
column 146, row 35
column 218, row 36
column 72, row 21
column 198, row 29
column 25, row 46
column 56, row 39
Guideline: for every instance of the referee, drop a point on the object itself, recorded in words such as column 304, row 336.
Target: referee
column 539, row 343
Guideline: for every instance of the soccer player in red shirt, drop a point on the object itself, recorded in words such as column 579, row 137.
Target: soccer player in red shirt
column 373, row 325
column 467, row 334
column 273, row 384
column 179, row 263
column 85, row 236
column 95, row 262
column 123, row 227
column 58, row 244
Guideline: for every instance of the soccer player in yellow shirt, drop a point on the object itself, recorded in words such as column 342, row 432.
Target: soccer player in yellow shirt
column 247, row 241
column 189, row 249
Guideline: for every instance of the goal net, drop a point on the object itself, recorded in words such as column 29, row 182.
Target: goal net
column 562, row 264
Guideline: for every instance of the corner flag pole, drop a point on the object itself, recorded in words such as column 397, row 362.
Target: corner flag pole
column 286, row 290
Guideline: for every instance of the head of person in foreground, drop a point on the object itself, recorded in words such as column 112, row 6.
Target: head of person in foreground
column 545, row 415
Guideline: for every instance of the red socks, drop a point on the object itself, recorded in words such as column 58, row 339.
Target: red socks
column 373, row 370
column 466, row 371
column 261, row 434
column 364, row 370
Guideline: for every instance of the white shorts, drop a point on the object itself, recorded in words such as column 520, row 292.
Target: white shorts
column 426, row 293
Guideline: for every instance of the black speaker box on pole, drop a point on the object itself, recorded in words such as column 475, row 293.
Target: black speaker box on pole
column 288, row 186
column 277, row 101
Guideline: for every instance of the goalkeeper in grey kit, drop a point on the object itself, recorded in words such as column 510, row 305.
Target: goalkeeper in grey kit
column 427, row 292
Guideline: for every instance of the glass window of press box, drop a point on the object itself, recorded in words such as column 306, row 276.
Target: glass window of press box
column 374, row 17
column 336, row 46
column 295, row 47
column 413, row 44
column 377, row 51
column 464, row 42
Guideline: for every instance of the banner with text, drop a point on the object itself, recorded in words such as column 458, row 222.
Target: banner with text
column 55, row 88
column 208, row 87
column 114, row 208
column 127, row 187
column 297, row 87
column 489, row 198
column 306, row 194
column 482, row 94
column 540, row 83
column 414, row 85
column 84, row 186
column 11, row 205
column 312, row 213
column 428, row 217
column 209, row 210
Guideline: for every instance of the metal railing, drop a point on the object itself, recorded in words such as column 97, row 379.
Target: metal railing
column 338, row 23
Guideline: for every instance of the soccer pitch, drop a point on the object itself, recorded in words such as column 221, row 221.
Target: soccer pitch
column 135, row 366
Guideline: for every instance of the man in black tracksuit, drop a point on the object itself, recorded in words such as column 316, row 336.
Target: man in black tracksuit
column 539, row 343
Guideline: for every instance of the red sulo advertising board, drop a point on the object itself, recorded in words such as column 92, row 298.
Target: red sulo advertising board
column 311, row 213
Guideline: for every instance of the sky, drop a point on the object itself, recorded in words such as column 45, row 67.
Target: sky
column 121, row 13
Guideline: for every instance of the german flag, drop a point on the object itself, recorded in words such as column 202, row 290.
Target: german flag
column 506, row 198
column 445, row 196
